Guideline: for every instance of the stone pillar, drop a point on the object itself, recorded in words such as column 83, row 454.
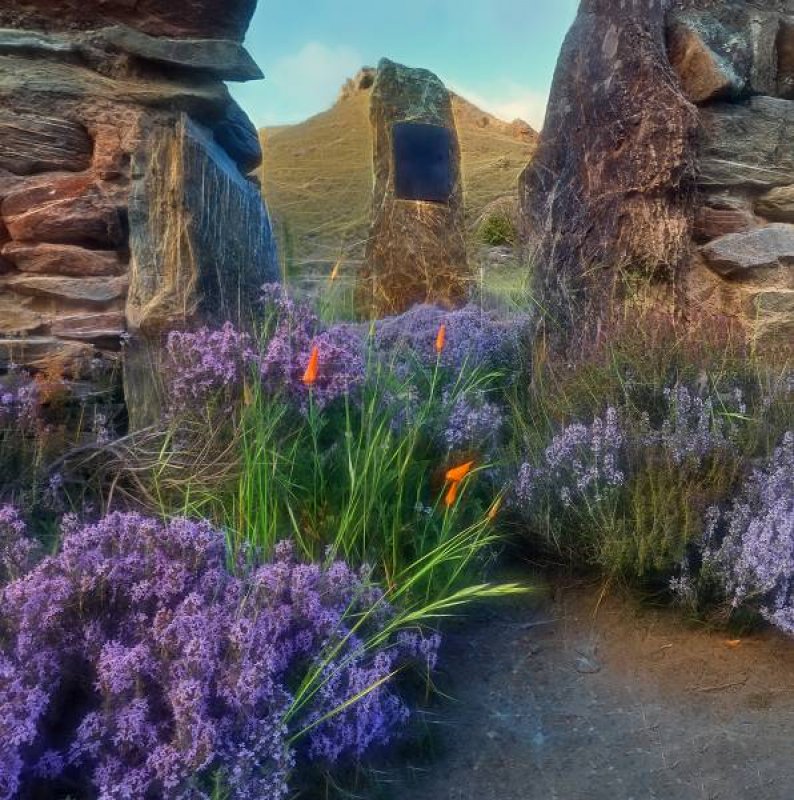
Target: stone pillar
column 125, row 203
column 668, row 158
column 416, row 250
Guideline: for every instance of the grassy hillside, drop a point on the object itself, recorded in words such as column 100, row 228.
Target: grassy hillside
column 317, row 177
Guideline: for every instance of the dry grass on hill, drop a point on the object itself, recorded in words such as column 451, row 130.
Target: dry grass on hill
column 317, row 177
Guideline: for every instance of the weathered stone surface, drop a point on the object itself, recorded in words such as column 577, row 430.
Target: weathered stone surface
column 200, row 237
column 44, row 352
column 712, row 222
column 785, row 58
column 109, row 174
column 16, row 316
column 85, row 290
column 90, row 327
column 223, row 58
column 780, row 301
column 63, row 259
column 238, row 136
column 630, row 177
column 416, row 250
column 27, row 77
column 737, row 253
column 704, row 73
column 66, row 210
column 777, row 204
column 610, row 188
column 747, row 145
column 186, row 18
column 30, row 144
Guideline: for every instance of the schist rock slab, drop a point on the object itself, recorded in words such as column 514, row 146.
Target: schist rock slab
column 201, row 246
column 30, row 144
column 63, row 259
column 736, row 254
column 200, row 237
column 416, row 250
column 200, row 19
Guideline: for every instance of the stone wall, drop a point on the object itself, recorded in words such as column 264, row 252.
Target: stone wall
column 667, row 159
column 125, row 206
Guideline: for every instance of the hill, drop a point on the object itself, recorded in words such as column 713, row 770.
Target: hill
column 317, row 175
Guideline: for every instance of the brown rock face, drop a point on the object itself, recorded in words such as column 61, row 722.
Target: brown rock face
column 202, row 19
column 668, row 156
column 611, row 188
column 123, row 162
column 416, row 250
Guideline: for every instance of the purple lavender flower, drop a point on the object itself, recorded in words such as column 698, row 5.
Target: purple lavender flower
column 179, row 669
column 473, row 423
column 206, row 364
column 18, row 552
column 582, row 462
column 474, row 338
column 750, row 546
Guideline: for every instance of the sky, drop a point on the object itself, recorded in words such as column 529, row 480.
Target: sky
column 499, row 54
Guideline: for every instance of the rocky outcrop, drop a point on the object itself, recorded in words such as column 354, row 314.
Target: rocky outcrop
column 125, row 203
column 416, row 251
column 667, row 158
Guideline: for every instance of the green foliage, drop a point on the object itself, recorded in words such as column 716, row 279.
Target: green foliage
column 498, row 230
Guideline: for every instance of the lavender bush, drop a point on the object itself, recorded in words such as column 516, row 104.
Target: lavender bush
column 749, row 547
column 625, row 493
column 474, row 337
column 204, row 365
column 136, row 662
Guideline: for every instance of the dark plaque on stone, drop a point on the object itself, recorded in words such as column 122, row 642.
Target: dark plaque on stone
column 422, row 162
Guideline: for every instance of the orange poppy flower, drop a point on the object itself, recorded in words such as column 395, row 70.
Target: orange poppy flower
column 310, row 376
column 451, row 495
column 457, row 474
column 335, row 271
column 441, row 337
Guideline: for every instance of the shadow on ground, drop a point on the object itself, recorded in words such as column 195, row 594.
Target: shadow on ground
column 573, row 699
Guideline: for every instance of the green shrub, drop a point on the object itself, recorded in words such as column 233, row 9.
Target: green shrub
column 498, row 229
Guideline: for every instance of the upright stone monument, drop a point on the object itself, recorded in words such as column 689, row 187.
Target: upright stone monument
column 416, row 250
column 125, row 203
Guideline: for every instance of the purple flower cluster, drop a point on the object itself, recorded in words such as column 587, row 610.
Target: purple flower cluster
column 177, row 670
column 582, row 461
column 750, row 546
column 692, row 432
column 473, row 423
column 474, row 337
column 206, row 364
column 20, row 407
column 296, row 331
column 18, row 553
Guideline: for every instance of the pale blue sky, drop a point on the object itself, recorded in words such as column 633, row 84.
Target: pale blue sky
column 498, row 53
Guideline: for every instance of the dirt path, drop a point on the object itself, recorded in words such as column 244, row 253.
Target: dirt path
column 558, row 703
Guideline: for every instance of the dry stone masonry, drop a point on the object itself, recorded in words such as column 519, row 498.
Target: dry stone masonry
column 668, row 155
column 416, row 250
column 125, row 206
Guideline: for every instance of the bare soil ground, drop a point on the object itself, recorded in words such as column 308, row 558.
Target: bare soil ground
column 588, row 698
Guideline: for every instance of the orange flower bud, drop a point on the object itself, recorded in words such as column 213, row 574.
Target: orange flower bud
column 441, row 337
column 451, row 495
column 310, row 376
column 457, row 474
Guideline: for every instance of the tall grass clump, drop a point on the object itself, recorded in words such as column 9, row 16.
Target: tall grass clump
column 623, row 448
column 339, row 437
